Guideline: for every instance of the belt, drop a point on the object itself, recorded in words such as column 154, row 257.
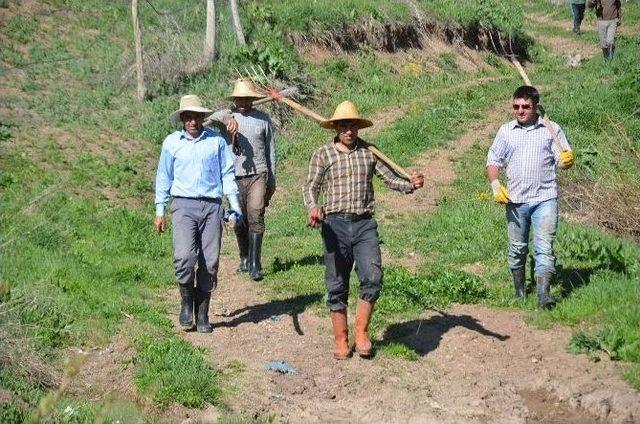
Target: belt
column 350, row 216
column 203, row 199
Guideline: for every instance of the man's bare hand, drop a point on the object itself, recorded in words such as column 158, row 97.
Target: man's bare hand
column 232, row 127
column 159, row 224
column 417, row 180
column 315, row 217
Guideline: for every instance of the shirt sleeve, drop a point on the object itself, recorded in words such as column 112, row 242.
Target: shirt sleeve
column 270, row 144
column 164, row 179
column 498, row 150
column 228, row 174
column 390, row 179
column 314, row 180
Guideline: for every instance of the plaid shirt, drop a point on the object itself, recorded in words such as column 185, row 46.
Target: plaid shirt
column 346, row 179
column 530, row 158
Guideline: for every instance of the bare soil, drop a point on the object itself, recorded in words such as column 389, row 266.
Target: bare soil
column 475, row 365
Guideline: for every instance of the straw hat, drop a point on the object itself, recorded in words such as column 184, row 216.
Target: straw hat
column 191, row 103
column 244, row 88
column 346, row 111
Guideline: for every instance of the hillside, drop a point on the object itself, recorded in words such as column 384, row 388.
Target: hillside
column 88, row 304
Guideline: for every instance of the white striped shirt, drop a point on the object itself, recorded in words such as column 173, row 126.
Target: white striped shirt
column 530, row 158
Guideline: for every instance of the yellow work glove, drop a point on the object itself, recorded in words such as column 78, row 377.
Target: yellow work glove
column 567, row 158
column 500, row 193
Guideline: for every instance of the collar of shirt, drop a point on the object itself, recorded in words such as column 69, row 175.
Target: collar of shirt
column 539, row 123
column 206, row 132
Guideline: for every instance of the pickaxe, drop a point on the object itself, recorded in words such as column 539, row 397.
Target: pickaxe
column 514, row 59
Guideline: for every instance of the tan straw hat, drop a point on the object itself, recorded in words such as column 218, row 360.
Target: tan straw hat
column 191, row 103
column 346, row 111
column 244, row 88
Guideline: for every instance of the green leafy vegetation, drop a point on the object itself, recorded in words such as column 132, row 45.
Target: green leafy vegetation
column 80, row 263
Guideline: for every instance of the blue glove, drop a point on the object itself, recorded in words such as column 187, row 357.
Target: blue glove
column 239, row 217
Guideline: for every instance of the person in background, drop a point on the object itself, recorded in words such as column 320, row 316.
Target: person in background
column 577, row 10
column 253, row 143
column 196, row 170
column 608, row 20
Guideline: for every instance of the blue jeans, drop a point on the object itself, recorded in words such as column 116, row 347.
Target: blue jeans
column 543, row 218
column 578, row 14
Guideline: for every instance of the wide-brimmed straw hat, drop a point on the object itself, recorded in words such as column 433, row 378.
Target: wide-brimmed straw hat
column 244, row 88
column 190, row 103
column 346, row 111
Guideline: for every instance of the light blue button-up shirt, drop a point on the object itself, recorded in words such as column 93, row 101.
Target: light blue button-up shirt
column 530, row 158
column 195, row 168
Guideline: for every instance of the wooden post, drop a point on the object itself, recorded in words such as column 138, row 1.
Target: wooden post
column 138, row 41
column 210, row 35
column 236, row 22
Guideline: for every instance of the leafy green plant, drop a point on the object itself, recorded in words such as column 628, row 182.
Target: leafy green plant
column 172, row 371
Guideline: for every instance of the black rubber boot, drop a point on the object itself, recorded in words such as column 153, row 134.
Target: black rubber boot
column 612, row 50
column 243, row 248
column 519, row 283
column 543, row 282
column 255, row 265
column 202, row 306
column 186, row 307
column 605, row 53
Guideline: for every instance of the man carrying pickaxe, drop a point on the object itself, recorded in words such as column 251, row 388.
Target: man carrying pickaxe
column 529, row 149
column 343, row 169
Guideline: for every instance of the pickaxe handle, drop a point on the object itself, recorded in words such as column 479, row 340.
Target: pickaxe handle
column 545, row 118
column 308, row 112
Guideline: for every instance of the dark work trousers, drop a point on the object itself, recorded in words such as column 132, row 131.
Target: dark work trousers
column 350, row 238
column 577, row 11
column 253, row 189
column 197, row 230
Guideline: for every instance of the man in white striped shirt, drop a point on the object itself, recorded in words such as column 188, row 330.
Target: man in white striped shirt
column 524, row 148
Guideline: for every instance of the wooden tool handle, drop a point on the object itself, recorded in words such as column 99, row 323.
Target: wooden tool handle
column 308, row 112
column 547, row 122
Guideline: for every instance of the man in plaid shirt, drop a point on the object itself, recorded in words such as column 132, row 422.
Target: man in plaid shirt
column 343, row 170
column 524, row 148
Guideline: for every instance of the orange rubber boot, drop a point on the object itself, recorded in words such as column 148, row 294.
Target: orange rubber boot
column 340, row 334
column 363, row 317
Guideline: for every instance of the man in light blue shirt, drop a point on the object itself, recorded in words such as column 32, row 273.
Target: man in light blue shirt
column 525, row 148
column 196, row 169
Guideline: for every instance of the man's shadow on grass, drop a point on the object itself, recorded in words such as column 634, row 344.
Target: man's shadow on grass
column 279, row 266
column 424, row 335
column 273, row 310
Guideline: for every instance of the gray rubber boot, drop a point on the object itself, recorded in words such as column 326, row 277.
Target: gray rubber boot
column 519, row 283
column 254, row 259
column 243, row 248
column 543, row 282
column 186, row 307
column 202, row 306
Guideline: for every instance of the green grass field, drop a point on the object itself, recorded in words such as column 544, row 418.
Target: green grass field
column 80, row 262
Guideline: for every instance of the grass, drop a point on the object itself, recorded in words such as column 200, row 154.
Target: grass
column 78, row 158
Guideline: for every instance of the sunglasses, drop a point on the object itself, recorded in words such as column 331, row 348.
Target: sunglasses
column 525, row 107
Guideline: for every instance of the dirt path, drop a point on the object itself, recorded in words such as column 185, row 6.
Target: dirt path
column 475, row 364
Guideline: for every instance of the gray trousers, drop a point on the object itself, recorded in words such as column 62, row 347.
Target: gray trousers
column 197, row 231
column 607, row 32
column 350, row 238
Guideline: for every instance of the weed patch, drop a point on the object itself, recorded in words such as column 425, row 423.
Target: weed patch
column 172, row 371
